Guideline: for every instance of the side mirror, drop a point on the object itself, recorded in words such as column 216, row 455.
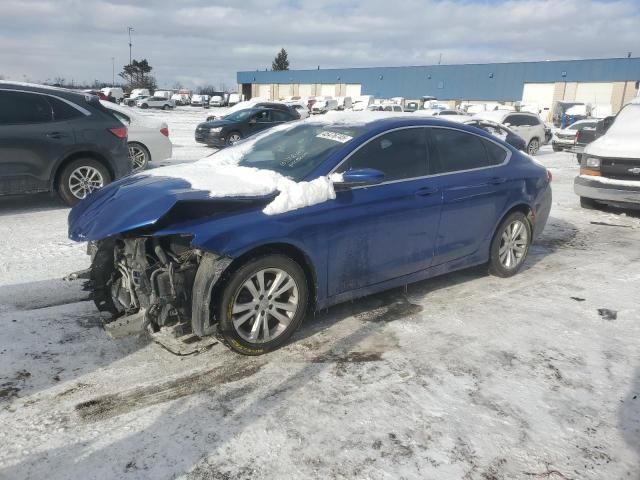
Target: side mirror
column 507, row 124
column 252, row 121
column 360, row 177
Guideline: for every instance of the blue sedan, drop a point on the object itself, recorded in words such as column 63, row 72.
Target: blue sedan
column 409, row 199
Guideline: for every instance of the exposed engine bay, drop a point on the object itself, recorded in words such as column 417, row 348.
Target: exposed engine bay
column 145, row 282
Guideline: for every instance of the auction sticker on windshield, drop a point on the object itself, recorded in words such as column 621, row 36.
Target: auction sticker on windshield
column 335, row 136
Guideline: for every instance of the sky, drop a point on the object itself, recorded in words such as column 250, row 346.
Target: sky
column 205, row 42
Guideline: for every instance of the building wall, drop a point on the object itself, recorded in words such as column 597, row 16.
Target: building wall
column 495, row 82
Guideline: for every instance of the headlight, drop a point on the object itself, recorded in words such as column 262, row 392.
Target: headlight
column 592, row 162
column 215, row 130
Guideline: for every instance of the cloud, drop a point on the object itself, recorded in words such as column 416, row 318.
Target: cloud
column 207, row 41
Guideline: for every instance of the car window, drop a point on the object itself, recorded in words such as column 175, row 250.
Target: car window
column 513, row 120
column 400, row 154
column 280, row 116
column 455, row 150
column 62, row 110
column 263, row 117
column 122, row 117
column 20, row 107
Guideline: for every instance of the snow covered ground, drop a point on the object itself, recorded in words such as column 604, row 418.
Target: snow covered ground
column 464, row 376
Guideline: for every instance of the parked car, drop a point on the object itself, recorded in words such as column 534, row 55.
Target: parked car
column 412, row 106
column 131, row 101
column 309, row 216
column 114, row 92
column 148, row 139
column 448, row 112
column 610, row 165
column 156, row 102
column 200, row 101
column 216, row 101
column 588, row 134
column 500, row 131
column 344, row 103
column 565, row 139
column 53, row 139
column 548, row 133
column 300, row 108
column 258, row 104
column 526, row 125
column 181, row 99
column 234, row 98
column 361, row 103
column 392, row 107
column 98, row 93
column 163, row 94
column 140, row 92
column 242, row 124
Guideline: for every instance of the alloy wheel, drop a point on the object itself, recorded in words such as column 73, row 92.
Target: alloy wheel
column 513, row 244
column 138, row 157
column 84, row 180
column 534, row 146
column 234, row 137
column 264, row 305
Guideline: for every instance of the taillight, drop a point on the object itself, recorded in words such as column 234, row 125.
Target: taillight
column 575, row 139
column 164, row 131
column 120, row 132
column 549, row 176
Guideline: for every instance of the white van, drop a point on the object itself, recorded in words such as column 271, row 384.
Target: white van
column 344, row 103
column 233, row 99
column 115, row 92
column 324, row 105
column 139, row 92
column 610, row 165
column 163, row 94
column 361, row 103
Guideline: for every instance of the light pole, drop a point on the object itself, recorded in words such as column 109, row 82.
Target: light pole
column 130, row 30
column 113, row 71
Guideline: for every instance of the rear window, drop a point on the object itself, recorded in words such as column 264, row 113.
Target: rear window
column 455, row 150
column 62, row 110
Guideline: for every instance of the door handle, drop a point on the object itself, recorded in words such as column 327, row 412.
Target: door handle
column 497, row 180
column 56, row 135
column 426, row 191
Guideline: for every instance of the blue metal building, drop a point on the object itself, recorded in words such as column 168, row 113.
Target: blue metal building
column 491, row 81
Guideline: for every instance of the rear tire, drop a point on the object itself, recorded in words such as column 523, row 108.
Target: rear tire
column 255, row 319
column 165, row 107
column 556, row 148
column 534, row 146
column 81, row 177
column 139, row 156
column 510, row 245
column 588, row 203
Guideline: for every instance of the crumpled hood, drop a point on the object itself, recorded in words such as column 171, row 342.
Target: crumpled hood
column 135, row 202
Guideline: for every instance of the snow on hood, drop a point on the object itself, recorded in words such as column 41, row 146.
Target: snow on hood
column 623, row 137
column 221, row 176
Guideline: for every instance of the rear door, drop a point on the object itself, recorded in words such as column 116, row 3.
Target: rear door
column 388, row 230
column 32, row 139
column 471, row 172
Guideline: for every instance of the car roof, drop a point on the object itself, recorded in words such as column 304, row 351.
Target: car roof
column 46, row 89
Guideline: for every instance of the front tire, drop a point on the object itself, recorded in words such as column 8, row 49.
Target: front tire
column 234, row 137
column 534, row 146
column 556, row 148
column 262, row 304
column 81, row 177
column 510, row 245
column 165, row 107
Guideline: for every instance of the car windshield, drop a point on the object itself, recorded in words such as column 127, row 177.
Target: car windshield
column 239, row 116
column 296, row 152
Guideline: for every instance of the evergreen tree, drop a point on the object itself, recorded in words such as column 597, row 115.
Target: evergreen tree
column 281, row 62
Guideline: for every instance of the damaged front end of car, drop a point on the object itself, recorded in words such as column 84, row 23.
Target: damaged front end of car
column 147, row 283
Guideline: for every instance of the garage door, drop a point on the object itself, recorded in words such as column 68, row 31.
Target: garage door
column 285, row 90
column 594, row 93
column 305, row 90
column 328, row 90
column 540, row 94
column 353, row 90
column 264, row 91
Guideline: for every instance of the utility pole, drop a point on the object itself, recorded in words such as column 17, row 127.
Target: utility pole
column 113, row 71
column 130, row 30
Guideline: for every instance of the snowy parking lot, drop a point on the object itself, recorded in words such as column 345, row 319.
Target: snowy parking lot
column 463, row 376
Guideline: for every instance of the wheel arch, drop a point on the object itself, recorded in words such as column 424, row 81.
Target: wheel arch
column 53, row 182
column 282, row 248
column 522, row 207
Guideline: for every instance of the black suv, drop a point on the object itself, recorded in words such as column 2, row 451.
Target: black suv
column 241, row 124
column 53, row 139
